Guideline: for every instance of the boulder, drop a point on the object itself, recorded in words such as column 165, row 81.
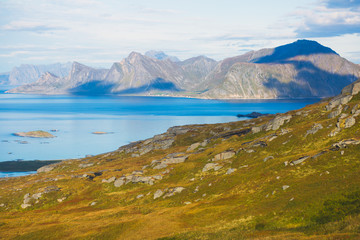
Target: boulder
column 158, row 193
column 209, row 166
column 46, row 168
column 230, row 170
column 119, row 182
column 173, row 191
column 298, row 161
column 349, row 122
column 336, row 112
column 257, row 129
column 193, row 146
column 316, row 127
column 224, row 155
column 268, row 158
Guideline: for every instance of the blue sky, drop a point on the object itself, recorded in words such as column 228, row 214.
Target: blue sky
column 100, row 32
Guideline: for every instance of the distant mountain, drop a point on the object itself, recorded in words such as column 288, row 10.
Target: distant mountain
column 75, row 82
column 27, row 73
column 302, row 69
column 160, row 55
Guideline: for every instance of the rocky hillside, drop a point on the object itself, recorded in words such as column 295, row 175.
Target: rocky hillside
column 303, row 69
column 287, row 176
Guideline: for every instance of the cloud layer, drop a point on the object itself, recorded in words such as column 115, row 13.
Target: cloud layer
column 99, row 32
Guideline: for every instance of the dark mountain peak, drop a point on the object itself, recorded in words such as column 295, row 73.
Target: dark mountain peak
column 298, row 48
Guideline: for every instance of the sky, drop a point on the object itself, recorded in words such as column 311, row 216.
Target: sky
column 100, row 32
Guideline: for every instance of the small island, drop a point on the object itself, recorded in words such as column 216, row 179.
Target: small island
column 100, row 132
column 35, row 134
column 253, row 115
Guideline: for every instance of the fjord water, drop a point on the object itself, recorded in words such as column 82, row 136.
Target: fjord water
column 125, row 119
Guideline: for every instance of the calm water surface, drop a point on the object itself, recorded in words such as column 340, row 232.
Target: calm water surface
column 126, row 119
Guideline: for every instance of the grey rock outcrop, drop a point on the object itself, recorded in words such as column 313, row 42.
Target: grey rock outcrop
column 298, row 161
column 211, row 166
column 316, row 127
column 158, row 193
column 344, row 144
column 231, row 170
column 277, row 122
column 337, row 101
column 349, row 122
column 352, row 89
column 224, row 155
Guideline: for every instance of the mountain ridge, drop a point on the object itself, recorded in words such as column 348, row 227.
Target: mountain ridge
column 302, row 69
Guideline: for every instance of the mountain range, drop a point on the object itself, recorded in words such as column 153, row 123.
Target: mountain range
column 302, row 69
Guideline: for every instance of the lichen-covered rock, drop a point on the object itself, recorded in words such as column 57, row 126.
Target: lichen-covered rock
column 193, row 146
column 224, row 155
column 158, row 193
column 209, row 166
column 46, row 168
column 344, row 144
column 268, row 158
column 298, row 161
column 119, row 182
column 336, row 112
column 277, row 122
column 173, row 191
column 349, row 122
column 316, row 127
column 338, row 100
column 230, row 170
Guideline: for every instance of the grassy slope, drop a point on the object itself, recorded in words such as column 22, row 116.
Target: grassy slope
column 247, row 204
